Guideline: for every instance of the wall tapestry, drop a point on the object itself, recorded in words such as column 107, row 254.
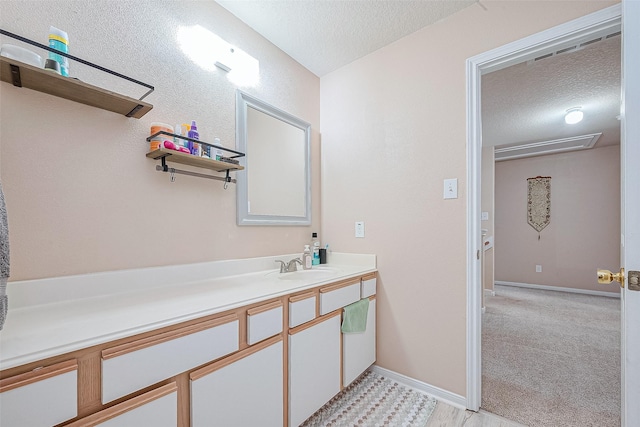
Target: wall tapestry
column 539, row 202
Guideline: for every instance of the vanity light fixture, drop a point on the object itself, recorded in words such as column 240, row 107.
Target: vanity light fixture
column 225, row 58
column 222, row 66
column 211, row 52
column 573, row 116
column 205, row 48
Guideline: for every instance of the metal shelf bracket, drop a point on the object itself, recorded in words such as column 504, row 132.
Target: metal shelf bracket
column 164, row 168
column 15, row 75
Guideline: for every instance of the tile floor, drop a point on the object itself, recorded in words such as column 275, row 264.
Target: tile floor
column 445, row 415
column 374, row 400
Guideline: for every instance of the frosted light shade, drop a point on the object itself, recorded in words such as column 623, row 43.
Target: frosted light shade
column 573, row 116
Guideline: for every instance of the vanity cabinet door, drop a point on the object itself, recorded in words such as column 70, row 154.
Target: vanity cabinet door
column 133, row 366
column 157, row 408
column 314, row 366
column 245, row 389
column 359, row 349
column 43, row 397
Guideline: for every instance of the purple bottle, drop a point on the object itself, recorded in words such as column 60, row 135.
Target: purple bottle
column 193, row 133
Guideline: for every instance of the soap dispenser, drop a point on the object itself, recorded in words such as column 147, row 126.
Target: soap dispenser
column 306, row 258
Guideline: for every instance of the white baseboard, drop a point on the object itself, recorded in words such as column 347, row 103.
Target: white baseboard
column 559, row 289
column 433, row 391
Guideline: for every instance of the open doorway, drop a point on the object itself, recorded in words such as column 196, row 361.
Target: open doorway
column 553, row 40
column 552, row 358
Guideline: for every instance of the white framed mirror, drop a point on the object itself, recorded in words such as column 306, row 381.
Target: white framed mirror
column 275, row 186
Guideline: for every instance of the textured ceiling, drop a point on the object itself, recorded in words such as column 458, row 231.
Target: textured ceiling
column 527, row 102
column 521, row 104
column 324, row 35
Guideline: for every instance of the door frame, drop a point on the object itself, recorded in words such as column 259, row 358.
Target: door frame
column 564, row 35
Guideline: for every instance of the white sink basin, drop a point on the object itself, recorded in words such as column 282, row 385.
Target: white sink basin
column 316, row 273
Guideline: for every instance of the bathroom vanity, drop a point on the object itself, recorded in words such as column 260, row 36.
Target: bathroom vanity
column 229, row 343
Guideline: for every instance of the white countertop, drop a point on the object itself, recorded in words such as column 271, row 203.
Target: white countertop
column 49, row 317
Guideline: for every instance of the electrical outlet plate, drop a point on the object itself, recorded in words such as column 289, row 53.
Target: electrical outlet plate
column 485, row 216
column 538, row 268
column 359, row 228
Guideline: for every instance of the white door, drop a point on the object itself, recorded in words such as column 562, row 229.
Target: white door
column 630, row 221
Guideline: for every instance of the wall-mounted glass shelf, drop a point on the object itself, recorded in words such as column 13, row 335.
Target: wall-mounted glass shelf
column 167, row 155
column 172, row 136
column 24, row 75
column 191, row 160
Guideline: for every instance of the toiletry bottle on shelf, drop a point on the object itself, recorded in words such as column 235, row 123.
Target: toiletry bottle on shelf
column 158, row 141
column 178, row 131
column 217, row 153
column 185, row 132
column 59, row 40
column 193, row 134
column 316, row 248
column 307, row 262
column 206, row 151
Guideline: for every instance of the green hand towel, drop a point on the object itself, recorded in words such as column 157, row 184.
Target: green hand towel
column 355, row 317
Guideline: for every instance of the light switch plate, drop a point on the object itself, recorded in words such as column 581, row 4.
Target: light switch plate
column 451, row 188
column 538, row 268
column 359, row 228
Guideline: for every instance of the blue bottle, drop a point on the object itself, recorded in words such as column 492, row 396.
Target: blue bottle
column 59, row 40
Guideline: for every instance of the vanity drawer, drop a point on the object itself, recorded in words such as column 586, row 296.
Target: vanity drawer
column 264, row 321
column 43, row 397
column 138, row 364
column 368, row 286
column 339, row 295
column 302, row 309
column 157, row 408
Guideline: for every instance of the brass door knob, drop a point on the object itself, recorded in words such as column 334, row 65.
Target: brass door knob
column 605, row 277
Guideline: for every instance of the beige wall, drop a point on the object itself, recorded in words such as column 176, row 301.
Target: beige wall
column 584, row 232
column 393, row 127
column 82, row 196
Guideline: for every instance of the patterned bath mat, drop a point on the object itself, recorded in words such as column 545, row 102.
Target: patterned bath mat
column 372, row 401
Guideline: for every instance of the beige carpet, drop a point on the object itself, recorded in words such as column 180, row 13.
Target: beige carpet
column 551, row 358
column 373, row 400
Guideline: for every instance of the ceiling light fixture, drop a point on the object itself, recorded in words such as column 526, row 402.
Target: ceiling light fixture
column 573, row 116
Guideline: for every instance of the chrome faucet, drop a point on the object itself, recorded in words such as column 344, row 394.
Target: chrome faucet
column 289, row 267
column 293, row 264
